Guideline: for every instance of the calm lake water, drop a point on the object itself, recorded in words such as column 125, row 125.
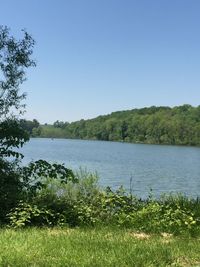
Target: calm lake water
column 163, row 169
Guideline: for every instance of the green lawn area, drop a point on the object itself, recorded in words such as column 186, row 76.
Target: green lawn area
column 95, row 247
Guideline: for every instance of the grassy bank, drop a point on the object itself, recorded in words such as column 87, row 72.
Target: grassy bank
column 95, row 247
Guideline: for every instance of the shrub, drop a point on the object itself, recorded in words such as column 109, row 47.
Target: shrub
column 164, row 215
column 11, row 187
column 70, row 200
column 80, row 201
column 26, row 215
column 35, row 173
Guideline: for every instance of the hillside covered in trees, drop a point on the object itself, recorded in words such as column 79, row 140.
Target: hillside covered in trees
column 154, row 125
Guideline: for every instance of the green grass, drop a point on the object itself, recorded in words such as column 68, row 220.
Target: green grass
column 94, row 247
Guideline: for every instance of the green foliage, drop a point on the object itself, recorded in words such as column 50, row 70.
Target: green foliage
column 39, row 169
column 156, row 217
column 10, row 187
column 174, row 214
column 112, row 204
column 153, row 125
column 41, row 183
column 24, row 183
column 11, row 135
column 50, row 132
column 30, row 215
column 15, row 57
column 30, row 126
column 83, row 203
column 71, row 200
column 60, row 124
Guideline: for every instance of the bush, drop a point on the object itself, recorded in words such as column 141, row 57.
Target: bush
column 80, row 201
column 35, row 174
column 24, row 183
column 164, row 215
column 70, row 200
column 11, row 187
column 26, row 215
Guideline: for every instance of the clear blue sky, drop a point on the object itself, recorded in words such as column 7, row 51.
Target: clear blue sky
column 98, row 56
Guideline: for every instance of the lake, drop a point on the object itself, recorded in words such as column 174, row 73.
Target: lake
column 163, row 169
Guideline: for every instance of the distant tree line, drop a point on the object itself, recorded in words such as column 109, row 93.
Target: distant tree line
column 29, row 125
column 154, row 125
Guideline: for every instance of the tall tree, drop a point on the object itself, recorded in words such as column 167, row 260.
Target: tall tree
column 15, row 58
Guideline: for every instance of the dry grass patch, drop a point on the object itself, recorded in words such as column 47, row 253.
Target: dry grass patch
column 140, row 235
column 59, row 232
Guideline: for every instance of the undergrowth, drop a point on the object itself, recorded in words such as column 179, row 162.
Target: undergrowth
column 81, row 202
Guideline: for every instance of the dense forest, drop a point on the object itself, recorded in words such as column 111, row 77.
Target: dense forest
column 154, row 125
